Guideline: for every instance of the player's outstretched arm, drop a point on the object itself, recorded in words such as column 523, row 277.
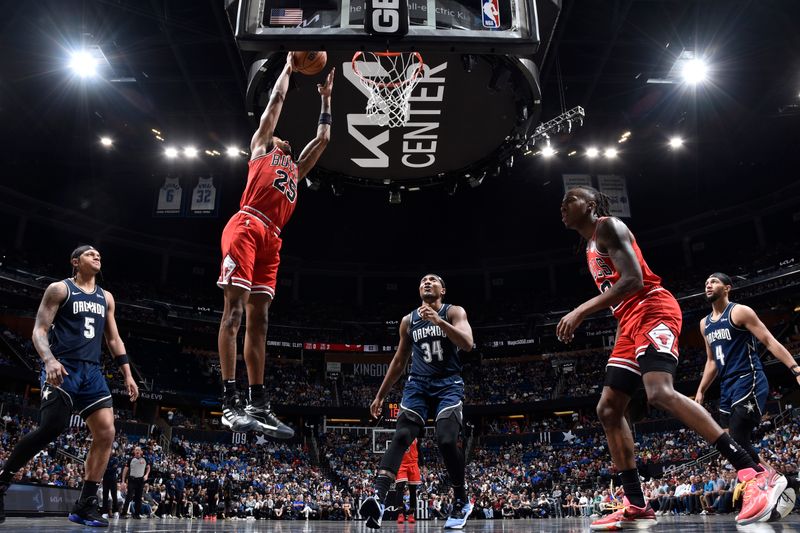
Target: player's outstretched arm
column 117, row 348
column 743, row 315
column 269, row 118
column 709, row 371
column 396, row 368
column 55, row 295
column 310, row 154
column 614, row 237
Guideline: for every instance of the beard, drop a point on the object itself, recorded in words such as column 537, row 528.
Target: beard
column 713, row 298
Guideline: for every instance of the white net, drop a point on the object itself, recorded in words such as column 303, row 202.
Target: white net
column 389, row 78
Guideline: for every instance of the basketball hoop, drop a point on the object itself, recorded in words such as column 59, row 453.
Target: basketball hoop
column 389, row 77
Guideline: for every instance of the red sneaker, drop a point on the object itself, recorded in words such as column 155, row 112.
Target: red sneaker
column 400, row 518
column 629, row 517
column 410, row 519
column 760, row 494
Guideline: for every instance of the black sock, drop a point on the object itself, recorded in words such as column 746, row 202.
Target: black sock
column 89, row 489
column 734, row 453
column 412, row 500
column 258, row 395
column 382, row 484
column 632, row 487
column 460, row 493
column 229, row 390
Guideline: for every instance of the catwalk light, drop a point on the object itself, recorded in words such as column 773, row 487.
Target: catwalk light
column 83, row 64
column 548, row 151
column 171, row 152
column 592, row 152
column 190, row 151
column 695, row 71
column 610, row 153
column 106, row 141
column 232, row 151
column 675, row 142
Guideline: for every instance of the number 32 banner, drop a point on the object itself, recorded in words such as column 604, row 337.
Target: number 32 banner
column 205, row 200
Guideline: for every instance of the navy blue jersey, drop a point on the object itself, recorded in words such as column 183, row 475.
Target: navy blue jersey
column 77, row 330
column 432, row 353
column 733, row 348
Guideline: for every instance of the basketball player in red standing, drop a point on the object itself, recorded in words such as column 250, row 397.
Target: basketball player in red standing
column 251, row 244
column 408, row 473
column 646, row 351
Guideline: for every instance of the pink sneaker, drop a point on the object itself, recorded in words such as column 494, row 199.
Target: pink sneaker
column 629, row 517
column 760, row 495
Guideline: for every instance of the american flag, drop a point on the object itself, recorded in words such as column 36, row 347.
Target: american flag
column 291, row 16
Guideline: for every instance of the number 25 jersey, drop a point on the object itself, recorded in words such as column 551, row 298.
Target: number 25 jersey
column 432, row 354
column 271, row 190
column 605, row 274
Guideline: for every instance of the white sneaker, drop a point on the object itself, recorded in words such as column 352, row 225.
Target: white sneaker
column 105, row 515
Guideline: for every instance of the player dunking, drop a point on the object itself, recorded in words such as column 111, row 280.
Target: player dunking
column 251, row 244
column 431, row 336
column 730, row 332
column 71, row 321
column 408, row 475
column 646, row 351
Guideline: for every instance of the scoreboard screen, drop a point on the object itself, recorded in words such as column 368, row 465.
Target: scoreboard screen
column 391, row 412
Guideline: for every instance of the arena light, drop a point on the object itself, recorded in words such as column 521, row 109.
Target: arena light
column 171, row 152
column 610, row 153
column 675, row 142
column 695, row 71
column 190, row 151
column 592, row 152
column 548, row 151
column 232, row 151
column 83, row 64
column 106, row 141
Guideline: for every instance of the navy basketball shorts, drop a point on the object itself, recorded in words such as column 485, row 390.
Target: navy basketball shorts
column 85, row 387
column 745, row 395
column 423, row 396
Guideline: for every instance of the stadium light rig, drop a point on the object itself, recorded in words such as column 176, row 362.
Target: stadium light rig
column 106, row 141
column 563, row 123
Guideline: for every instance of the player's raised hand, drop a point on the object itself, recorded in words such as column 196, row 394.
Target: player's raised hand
column 326, row 88
column 376, row 407
column 426, row 312
column 55, row 372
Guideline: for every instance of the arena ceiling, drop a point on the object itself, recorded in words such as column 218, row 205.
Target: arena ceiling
column 173, row 66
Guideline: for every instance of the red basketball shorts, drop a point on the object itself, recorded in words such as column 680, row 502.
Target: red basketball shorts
column 250, row 255
column 655, row 321
column 409, row 472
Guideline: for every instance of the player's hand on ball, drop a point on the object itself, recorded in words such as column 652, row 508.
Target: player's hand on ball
column 55, row 372
column 565, row 331
column 133, row 389
column 426, row 312
column 376, row 407
column 327, row 88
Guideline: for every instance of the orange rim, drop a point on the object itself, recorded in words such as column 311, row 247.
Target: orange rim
column 417, row 71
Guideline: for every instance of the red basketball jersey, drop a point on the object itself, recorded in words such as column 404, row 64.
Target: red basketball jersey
column 411, row 457
column 605, row 274
column 271, row 191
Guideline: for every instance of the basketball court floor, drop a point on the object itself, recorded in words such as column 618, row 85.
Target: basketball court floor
column 689, row 524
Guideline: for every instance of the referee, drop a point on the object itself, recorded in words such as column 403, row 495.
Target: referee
column 135, row 474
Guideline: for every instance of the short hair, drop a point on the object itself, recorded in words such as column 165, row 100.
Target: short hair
column 80, row 250
column 724, row 278
column 437, row 276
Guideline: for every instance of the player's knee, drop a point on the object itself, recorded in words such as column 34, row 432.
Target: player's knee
column 608, row 413
column 661, row 397
column 403, row 437
column 447, row 439
column 104, row 436
column 232, row 317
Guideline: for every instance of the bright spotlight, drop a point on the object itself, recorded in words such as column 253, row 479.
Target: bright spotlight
column 190, row 151
column 232, row 151
column 83, row 64
column 610, row 153
column 675, row 142
column 695, row 71
column 548, row 151
column 106, row 141
column 592, row 152
column 171, row 152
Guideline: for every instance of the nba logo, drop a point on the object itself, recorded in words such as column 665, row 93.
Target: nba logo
column 491, row 14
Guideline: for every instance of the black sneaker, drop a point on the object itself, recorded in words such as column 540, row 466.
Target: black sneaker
column 268, row 423
column 3, row 489
column 236, row 419
column 86, row 513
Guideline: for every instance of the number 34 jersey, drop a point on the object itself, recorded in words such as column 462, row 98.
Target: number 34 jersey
column 77, row 330
column 271, row 190
column 432, row 353
column 605, row 274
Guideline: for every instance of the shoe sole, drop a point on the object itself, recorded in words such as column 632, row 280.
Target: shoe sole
column 252, row 427
column 90, row 523
column 461, row 525
column 638, row 524
column 275, row 433
column 775, row 494
column 372, row 511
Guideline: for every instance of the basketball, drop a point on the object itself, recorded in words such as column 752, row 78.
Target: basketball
column 309, row 63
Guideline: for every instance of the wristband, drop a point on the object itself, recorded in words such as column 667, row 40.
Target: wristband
column 121, row 360
column 795, row 370
column 325, row 118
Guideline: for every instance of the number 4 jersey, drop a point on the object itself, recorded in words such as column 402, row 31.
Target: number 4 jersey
column 733, row 347
column 432, row 353
column 77, row 330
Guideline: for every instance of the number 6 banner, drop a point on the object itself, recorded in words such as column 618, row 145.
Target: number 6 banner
column 205, row 200
column 170, row 195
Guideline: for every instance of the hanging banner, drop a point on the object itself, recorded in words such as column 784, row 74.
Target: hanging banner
column 204, row 198
column 168, row 201
column 617, row 191
column 576, row 180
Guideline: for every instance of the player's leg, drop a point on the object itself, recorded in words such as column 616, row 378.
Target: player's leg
column 399, row 495
column 99, row 418
column 412, row 499
column 54, row 416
